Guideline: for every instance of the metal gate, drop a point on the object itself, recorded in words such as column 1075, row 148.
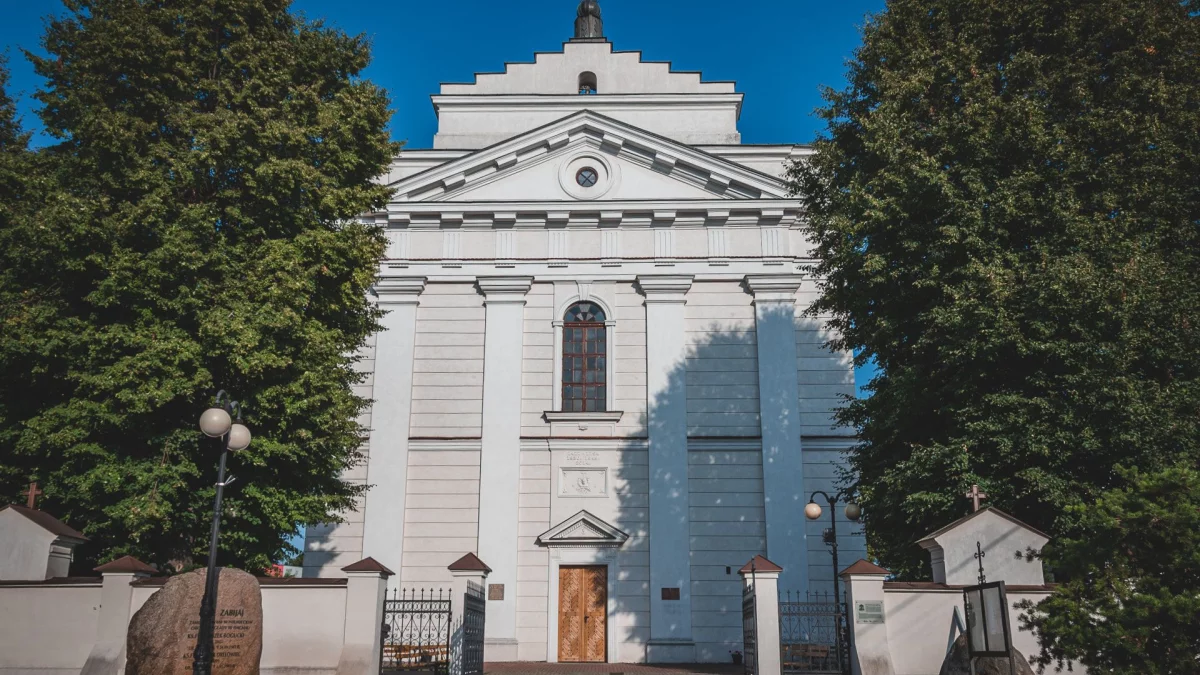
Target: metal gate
column 474, row 614
column 749, row 630
column 416, row 631
column 812, row 634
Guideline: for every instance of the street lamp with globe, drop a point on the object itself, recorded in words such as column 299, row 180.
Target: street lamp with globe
column 223, row 421
column 853, row 512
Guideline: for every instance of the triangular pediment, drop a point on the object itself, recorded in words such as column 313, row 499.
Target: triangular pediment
column 583, row 529
column 540, row 165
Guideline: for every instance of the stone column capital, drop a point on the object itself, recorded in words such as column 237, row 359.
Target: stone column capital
column 773, row 288
column 399, row 290
column 499, row 290
column 665, row 288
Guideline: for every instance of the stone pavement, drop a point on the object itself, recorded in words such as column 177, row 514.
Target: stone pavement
column 610, row 669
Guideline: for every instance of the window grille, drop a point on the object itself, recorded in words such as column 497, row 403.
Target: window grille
column 585, row 350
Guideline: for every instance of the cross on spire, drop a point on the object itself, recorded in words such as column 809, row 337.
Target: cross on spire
column 32, row 494
column 975, row 496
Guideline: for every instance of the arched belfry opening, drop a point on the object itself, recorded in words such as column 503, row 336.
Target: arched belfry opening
column 587, row 83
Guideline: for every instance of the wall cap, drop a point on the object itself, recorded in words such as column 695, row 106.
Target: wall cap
column 368, row 565
column 760, row 564
column 126, row 565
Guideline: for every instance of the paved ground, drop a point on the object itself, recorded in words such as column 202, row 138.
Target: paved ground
column 609, row 669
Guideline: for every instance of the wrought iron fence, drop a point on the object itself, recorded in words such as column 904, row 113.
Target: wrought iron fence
column 749, row 630
column 416, row 631
column 474, row 614
column 812, row 634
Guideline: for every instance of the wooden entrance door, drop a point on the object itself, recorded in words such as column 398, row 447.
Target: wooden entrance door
column 583, row 614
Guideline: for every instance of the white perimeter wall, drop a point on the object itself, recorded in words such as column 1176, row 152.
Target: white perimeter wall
column 51, row 629
column 46, row 629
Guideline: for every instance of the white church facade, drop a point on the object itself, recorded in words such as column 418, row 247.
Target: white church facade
column 595, row 372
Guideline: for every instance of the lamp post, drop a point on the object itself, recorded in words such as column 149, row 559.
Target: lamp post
column 853, row 512
column 217, row 422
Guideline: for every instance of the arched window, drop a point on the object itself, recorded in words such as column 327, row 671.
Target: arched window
column 585, row 354
column 587, row 83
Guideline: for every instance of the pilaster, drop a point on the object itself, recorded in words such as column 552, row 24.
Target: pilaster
column 112, row 627
column 387, row 462
column 670, row 532
column 869, row 649
column 779, row 407
column 366, row 593
column 762, row 576
column 500, row 461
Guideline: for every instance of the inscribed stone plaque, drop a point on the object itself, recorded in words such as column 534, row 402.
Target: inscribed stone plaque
column 162, row 635
column 495, row 591
column 868, row 612
column 670, row 594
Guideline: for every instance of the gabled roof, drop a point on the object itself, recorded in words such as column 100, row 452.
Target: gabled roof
column 724, row 178
column 928, row 540
column 469, row 563
column 864, row 567
column 127, row 565
column 583, row 528
column 368, row 565
column 47, row 522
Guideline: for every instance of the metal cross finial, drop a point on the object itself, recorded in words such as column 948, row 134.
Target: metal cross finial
column 32, row 494
column 976, row 496
column 979, row 554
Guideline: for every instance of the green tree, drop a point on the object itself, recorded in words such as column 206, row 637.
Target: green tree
column 213, row 159
column 1131, row 604
column 1007, row 220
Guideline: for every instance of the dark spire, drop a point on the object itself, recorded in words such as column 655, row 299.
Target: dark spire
column 588, row 24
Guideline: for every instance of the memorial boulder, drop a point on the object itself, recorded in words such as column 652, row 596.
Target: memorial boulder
column 162, row 634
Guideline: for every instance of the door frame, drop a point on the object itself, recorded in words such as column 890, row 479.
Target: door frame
column 573, row 557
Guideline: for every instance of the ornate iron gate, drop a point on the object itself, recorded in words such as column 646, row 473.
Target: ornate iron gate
column 474, row 614
column 749, row 631
column 812, row 634
column 416, row 631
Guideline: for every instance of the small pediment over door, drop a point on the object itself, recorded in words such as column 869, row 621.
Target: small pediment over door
column 583, row 530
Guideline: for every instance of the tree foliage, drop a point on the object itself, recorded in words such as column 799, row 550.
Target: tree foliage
column 1007, row 219
column 212, row 158
column 1131, row 604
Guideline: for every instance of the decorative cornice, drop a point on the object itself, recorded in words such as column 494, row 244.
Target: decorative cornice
column 399, row 290
column 665, row 288
column 773, row 289
column 504, row 290
column 610, row 416
column 524, row 215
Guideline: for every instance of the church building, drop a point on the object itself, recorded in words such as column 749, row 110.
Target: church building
column 595, row 372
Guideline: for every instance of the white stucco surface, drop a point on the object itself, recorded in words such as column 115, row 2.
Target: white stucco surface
column 25, row 549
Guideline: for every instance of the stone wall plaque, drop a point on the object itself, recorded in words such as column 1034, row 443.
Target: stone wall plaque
column 868, row 612
column 583, row 482
column 670, row 594
column 162, row 634
column 495, row 591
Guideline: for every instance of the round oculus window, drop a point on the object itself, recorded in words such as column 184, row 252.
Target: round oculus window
column 587, row 177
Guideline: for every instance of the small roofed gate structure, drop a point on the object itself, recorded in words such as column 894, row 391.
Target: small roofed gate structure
column 437, row 630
